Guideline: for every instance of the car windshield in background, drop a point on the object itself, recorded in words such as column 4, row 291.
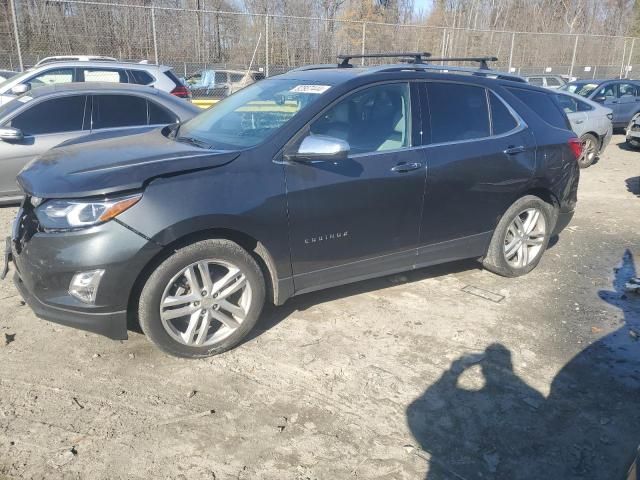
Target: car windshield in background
column 583, row 89
column 248, row 117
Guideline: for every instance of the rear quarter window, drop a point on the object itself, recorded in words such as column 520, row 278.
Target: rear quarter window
column 544, row 105
column 140, row 77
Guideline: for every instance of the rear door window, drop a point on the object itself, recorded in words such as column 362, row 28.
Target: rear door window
column 110, row 75
column 458, row 112
column 543, row 104
column 568, row 104
column 57, row 115
column 627, row 89
column 537, row 81
column 553, row 82
column 113, row 111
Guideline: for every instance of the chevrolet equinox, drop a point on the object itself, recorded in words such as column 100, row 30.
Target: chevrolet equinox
column 319, row 177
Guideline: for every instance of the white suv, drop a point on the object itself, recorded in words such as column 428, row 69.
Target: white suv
column 157, row 76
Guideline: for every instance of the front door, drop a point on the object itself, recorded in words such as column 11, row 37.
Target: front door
column 359, row 217
column 44, row 125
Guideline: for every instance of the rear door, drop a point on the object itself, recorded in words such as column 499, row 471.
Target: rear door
column 480, row 155
column 359, row 217
column 44, row 124
column 628, row 102
column 577, row 117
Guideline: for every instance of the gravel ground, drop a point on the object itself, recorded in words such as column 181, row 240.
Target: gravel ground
column 403, row 377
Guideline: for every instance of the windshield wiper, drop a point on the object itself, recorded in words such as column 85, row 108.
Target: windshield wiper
column 193, row 141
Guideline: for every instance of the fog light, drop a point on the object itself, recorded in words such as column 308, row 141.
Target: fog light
column 84, row 285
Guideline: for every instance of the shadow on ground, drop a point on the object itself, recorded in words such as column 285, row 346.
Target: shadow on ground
column 500, row 427
column 633, row 185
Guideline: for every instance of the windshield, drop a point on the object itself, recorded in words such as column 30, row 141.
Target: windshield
column 252, row 114
column 584, row 89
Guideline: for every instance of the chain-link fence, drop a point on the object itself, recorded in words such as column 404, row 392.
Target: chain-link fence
column 192, row 40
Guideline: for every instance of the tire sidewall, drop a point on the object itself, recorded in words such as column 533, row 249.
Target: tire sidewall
column 583, row 162
column 151, row 295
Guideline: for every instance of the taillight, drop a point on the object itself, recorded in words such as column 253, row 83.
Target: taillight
column 575, row 144
column 181, row 91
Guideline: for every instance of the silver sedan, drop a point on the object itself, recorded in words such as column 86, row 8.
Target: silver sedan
column 591, row 122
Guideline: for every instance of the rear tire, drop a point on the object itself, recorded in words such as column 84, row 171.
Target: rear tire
column 521, row 237
column 590, row 150
column 202, row 300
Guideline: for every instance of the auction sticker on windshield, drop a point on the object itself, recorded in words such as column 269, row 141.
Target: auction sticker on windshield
column 310, row 89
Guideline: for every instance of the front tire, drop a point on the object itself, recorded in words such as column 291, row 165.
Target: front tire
column 590, row 150
column 202, row 300
column 521, row 237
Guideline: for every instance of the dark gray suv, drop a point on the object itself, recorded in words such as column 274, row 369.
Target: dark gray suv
column 311, row 179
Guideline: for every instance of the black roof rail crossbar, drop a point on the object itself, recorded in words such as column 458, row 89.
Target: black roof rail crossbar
column 481, row 60
column 416, row 57
column 449, row 68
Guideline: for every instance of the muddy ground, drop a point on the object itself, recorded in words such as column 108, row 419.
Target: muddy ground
column 403, row 377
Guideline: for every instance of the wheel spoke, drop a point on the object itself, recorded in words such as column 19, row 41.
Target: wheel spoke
column 233, row 288
column 204, row 328
column 225, row 281
column 535, row 241
column 190, row 275
column 524, row 253
column 235, row 310
column 224, row 319
column 172, row 313
column 511, row 249
column 207, row 283
column 179, row 300
column 531, row 222
column 192, row 327
column 518, row 224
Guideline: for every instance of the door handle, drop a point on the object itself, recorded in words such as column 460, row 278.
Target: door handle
column 406, row 167
column 579, row 121
column 513, row 150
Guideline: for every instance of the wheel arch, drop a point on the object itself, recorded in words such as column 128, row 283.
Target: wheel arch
column 253, row 246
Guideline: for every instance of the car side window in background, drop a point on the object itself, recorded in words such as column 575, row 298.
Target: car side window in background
column 608, row 91
column 568, row 104
column 537, row 81
column 59, row 75
column 65, row 114
column 140, row 77
column 553, row 82
column 543, row 104
column 159, row 115
column 458, row 112
column 236, row 77
column 583, row 107
column 627, row 89
column 501, row 119
column 112, row 111
column 220, row 77
column 372, row 120
column 104, row 75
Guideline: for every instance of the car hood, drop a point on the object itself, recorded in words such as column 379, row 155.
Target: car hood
column 104, row 163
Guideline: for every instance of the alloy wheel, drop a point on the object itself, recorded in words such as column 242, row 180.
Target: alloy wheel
column 525, row 238
column 205, row 303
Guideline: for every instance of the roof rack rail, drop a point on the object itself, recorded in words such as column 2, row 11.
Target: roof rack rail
column 415, row 57
column 481, row 60
column 448, row 68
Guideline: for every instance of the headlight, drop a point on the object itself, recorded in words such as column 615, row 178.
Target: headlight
column 70, row 214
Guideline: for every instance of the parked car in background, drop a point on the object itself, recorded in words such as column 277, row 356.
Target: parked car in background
column 4, row 74
column 591, row 122
column 547, row 81
column 79, row 58
column 157, row 76
column 220, row 83
column 621, row 96
column 47, row 116
column 632, row 132
column 303, row 181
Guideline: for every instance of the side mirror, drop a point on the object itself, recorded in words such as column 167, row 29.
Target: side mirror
column 9, row 134
column 20, row 88
column 599, row 99
column 320, row 148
